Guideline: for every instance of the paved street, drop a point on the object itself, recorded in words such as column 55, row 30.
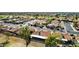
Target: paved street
column 69, row 28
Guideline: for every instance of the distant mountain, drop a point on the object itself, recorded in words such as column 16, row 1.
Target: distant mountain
column 40, row 13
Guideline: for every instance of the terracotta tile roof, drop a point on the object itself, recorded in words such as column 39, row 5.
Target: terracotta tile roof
column 45, row 33
column 42, row 33
column 36, row 33
column 77, row 37
column 67, row 36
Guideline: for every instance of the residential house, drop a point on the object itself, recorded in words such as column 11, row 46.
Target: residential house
column 67, row 37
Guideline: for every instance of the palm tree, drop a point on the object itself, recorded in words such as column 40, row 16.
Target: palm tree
column 25, row 34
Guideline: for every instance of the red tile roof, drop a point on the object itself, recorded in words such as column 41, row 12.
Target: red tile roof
column 67, row 36
column 45, row 33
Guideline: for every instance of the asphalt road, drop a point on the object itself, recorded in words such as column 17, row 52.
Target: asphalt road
column 69, row 28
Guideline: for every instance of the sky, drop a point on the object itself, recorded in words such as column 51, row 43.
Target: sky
column 39, row 5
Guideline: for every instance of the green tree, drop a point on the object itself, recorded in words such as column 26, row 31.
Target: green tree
column 49, row 20
column 75, row 43
column 25, row 34
column 36, row 16
column 52, row 41
column 75, row 24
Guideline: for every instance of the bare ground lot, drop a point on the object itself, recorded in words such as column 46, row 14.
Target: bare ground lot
column 36, row 43
column 18, row 42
